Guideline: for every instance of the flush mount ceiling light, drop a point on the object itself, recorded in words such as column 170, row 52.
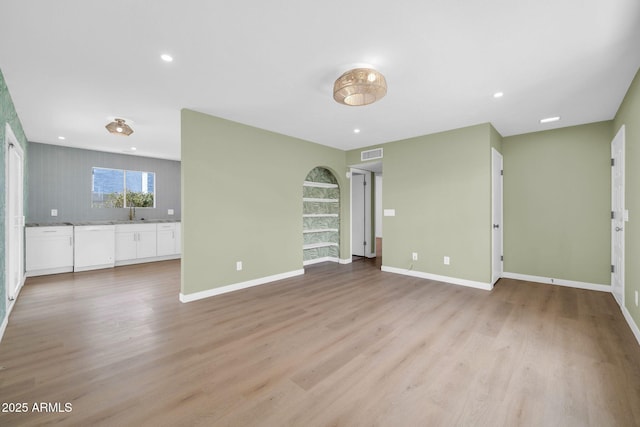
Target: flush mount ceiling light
column 360, row 86
column 119, row 127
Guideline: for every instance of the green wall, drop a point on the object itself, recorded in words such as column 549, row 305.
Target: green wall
column 440, row 187
column 242, row 201
column 629, row 115
column 7, row 115
column 557, row 203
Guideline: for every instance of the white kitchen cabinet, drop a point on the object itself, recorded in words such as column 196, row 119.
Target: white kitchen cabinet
column 49, row 250
column 94, row 247
column 168, row 239
column 135, row 242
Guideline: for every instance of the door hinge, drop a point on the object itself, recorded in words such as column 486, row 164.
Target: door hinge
column 501, row 172
column 613, row 268
column 501, row 257
column 364, row 243
column 613, row 162
column 613, row 215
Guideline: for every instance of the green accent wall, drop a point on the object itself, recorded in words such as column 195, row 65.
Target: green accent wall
column 557, row 203
column 7, row 115
column 241, row 200
column 629, row 115
column 440, row 188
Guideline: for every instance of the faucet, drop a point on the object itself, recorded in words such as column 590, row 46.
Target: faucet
column 132, row 213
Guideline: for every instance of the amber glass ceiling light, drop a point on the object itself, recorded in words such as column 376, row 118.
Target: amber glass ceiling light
column 360, row 86
column 119, row 127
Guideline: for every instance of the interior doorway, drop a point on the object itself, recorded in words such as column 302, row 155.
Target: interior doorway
column 618, row 215
column 366, row 212
column 14, row 220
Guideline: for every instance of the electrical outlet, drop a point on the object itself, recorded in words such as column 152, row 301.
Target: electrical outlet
column 238, row 265
column 169, row 211
column 54, row 212
column 414, row 256
column 447, row 260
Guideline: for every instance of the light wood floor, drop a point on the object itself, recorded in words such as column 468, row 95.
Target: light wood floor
column 340, row 346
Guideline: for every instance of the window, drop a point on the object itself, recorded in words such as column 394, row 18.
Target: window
column 117, row 188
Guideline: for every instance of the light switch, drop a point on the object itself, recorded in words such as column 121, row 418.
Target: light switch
column 54, row 212
column 389, row 212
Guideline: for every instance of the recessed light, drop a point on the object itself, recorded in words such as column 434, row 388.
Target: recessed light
column 61, row 138
column 498, row 95
column 550, row 119
column 356, row 131
column 133, row 148
column 166, row 58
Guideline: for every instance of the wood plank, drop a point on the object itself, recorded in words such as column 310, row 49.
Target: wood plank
column 342, row 345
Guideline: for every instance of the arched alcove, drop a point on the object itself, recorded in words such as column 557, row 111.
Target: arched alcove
column 320, row 217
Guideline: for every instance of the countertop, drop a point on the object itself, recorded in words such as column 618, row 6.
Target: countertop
column 116, row 222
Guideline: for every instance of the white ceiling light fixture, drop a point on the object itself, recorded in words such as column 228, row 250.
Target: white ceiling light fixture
column 119, row 127
column 550, row 119
column 356, row 131
column 360, row 86
column 61, row 138
column 498, row 95
column 166, row 58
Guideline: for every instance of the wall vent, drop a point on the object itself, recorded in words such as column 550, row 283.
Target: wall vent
column 376, row 153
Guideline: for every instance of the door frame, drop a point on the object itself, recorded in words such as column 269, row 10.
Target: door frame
column 497, row 217
column 10, row 141
column 619, row 217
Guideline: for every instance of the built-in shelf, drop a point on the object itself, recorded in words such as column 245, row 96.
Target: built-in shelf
column 319, row 245
column 320, row 215
column 313, row 199
column 319, row 184
column 321, row 230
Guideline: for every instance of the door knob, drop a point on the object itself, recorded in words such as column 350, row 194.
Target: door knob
column 619, row 228
column 496, row 225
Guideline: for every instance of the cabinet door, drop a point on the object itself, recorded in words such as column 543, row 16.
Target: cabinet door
column 166, row 242
column 146, row 244
column 126, row 246
column 49, row 249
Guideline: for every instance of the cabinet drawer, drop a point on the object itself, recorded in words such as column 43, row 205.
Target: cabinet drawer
column 48, row 231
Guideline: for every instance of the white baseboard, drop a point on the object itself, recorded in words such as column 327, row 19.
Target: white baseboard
column 3, row 326
column 446, row 279
column 345, row 261
column 5, row 321
column 319, row 260
column 559, row 282
column 632, row 324
column 237, row 286
column 144, row 260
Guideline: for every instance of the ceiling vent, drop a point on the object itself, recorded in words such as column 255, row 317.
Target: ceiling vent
column 374, row 154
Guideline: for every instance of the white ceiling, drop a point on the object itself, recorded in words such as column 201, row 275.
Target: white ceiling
column 72, row 65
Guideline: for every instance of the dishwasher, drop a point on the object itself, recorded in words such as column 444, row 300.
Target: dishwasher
column 94, row 247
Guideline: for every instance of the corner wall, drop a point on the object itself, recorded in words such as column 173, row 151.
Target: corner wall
column 629, row 115
column 242, row 201
column 7, row 115
column 557, row 203
column 440, row 188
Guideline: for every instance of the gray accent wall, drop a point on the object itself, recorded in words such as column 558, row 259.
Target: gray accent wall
column 60, row 178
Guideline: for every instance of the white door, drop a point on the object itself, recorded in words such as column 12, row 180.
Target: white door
column 358, row 219
column 14, row 224
column 617, row 216
column 361, row 213
column 496, row 215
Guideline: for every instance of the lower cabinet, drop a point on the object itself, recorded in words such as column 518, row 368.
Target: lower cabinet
column 49, row 250
column 135, row 242
column 168, row 239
